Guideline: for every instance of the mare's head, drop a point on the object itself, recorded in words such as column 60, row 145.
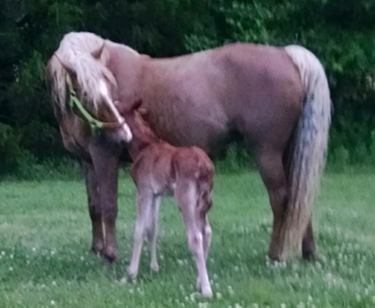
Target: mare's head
column 92, row 91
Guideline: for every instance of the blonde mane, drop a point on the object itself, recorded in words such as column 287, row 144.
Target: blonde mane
column 75, row 49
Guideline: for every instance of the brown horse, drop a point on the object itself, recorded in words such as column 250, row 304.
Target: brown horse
column 159, row 169
column 276, row 98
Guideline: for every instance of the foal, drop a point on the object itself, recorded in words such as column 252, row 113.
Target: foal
column 158, row 169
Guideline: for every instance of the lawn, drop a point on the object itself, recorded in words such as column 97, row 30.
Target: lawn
column 45, row 260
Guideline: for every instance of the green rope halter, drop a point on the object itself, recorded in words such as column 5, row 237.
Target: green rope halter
column 75, row 104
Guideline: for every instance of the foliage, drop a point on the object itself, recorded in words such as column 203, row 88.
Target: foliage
column 340, row 32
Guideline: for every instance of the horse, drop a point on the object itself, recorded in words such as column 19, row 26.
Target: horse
column 276, row 98
column 186, row 173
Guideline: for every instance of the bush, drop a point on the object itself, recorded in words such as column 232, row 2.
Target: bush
column 9, row 148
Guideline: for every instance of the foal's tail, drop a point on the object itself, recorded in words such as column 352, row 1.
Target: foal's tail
column 308, row 152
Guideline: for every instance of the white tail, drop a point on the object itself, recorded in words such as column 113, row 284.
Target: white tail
column 309, row 149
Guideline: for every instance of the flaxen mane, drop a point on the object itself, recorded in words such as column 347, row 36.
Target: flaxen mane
column 76, row 49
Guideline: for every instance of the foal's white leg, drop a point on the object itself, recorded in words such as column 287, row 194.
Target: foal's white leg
column 207, row 235
column 154, row 232
column 144, row 203
column 187, row 201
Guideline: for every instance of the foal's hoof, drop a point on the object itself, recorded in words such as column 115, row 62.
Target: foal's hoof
column 132, row 272
column 207, row 293
column 154, row 267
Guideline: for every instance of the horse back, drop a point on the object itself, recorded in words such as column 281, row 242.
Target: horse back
column 264, row 95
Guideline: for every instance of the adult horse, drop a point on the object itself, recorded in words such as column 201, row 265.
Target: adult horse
column 277, row 98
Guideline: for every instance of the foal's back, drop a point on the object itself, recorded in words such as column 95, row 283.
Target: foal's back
column 162, row 167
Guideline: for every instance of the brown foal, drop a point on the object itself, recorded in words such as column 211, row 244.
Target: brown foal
column 159, row 169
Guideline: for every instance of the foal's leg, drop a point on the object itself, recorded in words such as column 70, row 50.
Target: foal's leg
column 153, row 232
column 94, row 207
column 203, row 223
column 308, row 242
column 186, row 196
column 106, row 162
column 273, row 176
column 144, row 204
column 207, row 235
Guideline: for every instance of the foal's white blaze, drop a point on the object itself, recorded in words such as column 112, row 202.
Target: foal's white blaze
column 126, row 133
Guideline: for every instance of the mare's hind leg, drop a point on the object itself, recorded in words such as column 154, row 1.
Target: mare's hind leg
column 186, row 196
column 94, row 207
column 144, row 205
column 308, row 242
column 105, row 158
column 273, row 176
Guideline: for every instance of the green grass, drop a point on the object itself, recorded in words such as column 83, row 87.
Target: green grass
column 45, row 259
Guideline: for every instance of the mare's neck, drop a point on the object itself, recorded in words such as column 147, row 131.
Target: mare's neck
column 128, row 70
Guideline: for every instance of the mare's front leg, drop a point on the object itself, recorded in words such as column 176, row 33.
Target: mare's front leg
column 144, row 208
column 95, row 211
column 105, row 158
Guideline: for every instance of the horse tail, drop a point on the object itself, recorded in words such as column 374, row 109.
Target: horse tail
column 306, row 159
column 76, row 49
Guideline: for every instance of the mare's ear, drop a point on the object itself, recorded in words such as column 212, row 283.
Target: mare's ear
column 97, row 53
column 66, row 65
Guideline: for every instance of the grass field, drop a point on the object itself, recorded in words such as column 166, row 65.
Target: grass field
column 45, row 259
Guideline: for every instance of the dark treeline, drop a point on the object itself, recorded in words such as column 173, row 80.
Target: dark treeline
column 340, row 32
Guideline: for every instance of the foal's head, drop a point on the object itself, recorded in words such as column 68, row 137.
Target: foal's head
column 97, row 96
column 134, row 114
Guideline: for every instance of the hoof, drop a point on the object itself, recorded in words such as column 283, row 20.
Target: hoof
column 308, row 250
column 154, row 267
column 110, row 256
column 308, row 255
column 274, row 256
column 132, row 273
column 207, row 293
column 97, row 249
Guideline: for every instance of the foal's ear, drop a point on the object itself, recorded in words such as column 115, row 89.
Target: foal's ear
column 137, row 104
column 143, row 111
